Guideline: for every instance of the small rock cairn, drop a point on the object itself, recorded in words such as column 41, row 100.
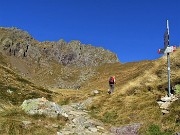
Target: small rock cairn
column 165, row 102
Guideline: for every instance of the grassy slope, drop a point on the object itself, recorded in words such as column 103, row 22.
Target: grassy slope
column 139, row 86
column 21, row 88
column 11, row 116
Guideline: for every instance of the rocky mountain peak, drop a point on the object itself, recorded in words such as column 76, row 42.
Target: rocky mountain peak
column 19, row 43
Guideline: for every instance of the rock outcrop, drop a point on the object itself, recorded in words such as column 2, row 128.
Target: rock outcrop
column 42, row 106
column 126, row 130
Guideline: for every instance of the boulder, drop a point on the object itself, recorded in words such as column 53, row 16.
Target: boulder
column 95, row 92
column 160, row 103
column 42, row 106
column 164, row 111
column 93, row 129
column 26, row 123
column 126, row 130
column 166, row 99
column 165, row 105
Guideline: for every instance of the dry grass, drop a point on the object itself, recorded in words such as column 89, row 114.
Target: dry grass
column 139, row 86
column 13, row 91
column 19, row 88
column 12, row 123
column 66, row 96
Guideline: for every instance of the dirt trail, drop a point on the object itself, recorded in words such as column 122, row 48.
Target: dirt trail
column 80, row 122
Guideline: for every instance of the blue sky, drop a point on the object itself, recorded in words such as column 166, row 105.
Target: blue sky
column 133, row 29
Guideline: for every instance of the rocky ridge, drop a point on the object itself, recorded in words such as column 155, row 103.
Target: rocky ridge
column 18, row 43
column 58, row 64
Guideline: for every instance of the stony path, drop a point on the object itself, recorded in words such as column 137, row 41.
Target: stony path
column 80, row 122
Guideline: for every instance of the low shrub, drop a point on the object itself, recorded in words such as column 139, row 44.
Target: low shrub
column 155, row 130
column 177, row 89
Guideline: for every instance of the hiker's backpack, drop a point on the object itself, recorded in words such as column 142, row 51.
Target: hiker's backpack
column 111, row 80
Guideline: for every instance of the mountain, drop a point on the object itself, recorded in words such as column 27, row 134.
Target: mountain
column 50, row 63
column 20, row 44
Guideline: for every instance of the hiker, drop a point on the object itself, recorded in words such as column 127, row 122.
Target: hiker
column 111, row 84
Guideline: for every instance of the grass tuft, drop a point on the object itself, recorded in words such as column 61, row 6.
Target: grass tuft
column 109, row 117
column 155, row 130
column 177, row 89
